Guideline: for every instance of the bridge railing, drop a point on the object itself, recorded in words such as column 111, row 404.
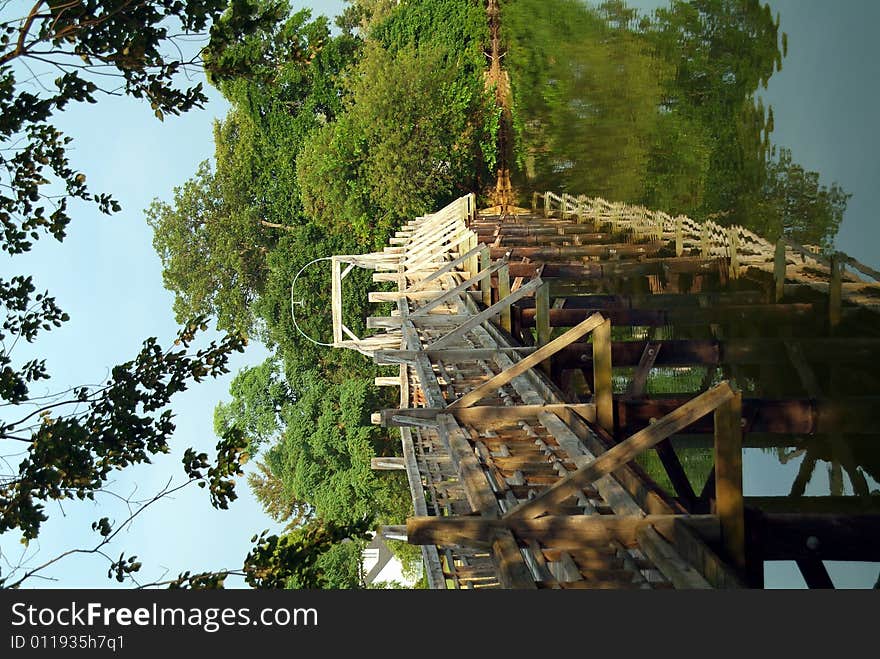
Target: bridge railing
column 787, row 260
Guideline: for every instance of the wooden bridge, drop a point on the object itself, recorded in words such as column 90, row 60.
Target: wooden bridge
column 531, row 345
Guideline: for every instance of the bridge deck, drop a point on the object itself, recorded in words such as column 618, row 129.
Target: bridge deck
column 529, row 481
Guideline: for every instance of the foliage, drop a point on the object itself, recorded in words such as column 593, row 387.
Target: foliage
column 660, row 110
column 276, row 501
column 405, row 145
column 324, row 455
column 293, row 559
column 258, row 398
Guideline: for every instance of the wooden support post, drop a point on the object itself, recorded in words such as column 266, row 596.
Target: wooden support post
column 733, row 245
column 728, row 477
column 486, row 284
column 779, row 269
column 503, row 292
column 679, row 236
column 835, row 289
column 557, row 344
column 542, row 320
column 535, row 201
column 474, row 265
column 603, row 396
column 704, row 241
column 622, row 453
column 547, row 211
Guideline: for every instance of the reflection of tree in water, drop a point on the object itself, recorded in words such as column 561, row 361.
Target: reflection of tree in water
column 856, row 459
column 662, row 111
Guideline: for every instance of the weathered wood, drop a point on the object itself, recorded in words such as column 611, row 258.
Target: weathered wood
column 646, row 363
column 669, row 561
column 814, row 573
column 542, row 320
column 488, row 416
column 452, row 293
column 603, row 396
column 728, row 477
column 624, row 452
column 779, row 264
column 387, row 464
column 503, row 292
column 789, row 536
column 522, row 366
column 784, row 416
column 486, row 284
column 484, row 315
column 564, row 533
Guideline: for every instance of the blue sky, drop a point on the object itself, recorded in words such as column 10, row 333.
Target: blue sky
column 107, row 277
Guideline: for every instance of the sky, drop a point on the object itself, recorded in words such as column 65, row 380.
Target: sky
column 108, row 278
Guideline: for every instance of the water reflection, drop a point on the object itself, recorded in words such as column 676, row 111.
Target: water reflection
column 661, row 111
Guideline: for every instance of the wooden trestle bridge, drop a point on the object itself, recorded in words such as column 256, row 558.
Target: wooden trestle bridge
column 527, row 341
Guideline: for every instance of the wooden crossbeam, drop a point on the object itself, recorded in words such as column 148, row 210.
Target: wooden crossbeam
column 488, row 416
column 484, row 315
column 533, row 359
column 624, row 452
column 454, row 292
column 564, row 532
column 449, row 267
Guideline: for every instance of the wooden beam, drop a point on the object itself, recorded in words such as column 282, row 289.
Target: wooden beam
column 485, row 315
column 387, row 464
column 836, row 537
column 486, row 284
column 662, row 554
column 535, row 358
column 503, row 292
column 621, row 454
column 449, row 267
column 452, row 293
column 564, row 533
column 779, row 270
column 814, row 573
column 488, row 416
column 603, row 393
column 728, row 477
column 542, row 320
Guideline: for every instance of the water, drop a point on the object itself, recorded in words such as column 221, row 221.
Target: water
column 738, row 111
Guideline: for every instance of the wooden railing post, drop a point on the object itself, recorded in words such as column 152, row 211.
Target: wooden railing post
column 779, row 269
column 547, row 211
column 679, row 237
column 542, row 320
column 704, row 240
column 535, row 201
column 602, row 384
column 486, row 284
column 728, row 478
column 733, row 246
column 503, row 292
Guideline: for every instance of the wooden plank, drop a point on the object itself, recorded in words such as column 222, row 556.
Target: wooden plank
column 646, row 363
column 503, row 292
column 452, row 293
column 728, row 477
column 814, row 573
column 336, row 299
column 485, row 315
column 486, row 284
column 603, row 396
column 542, row 316
column 779, row 270
column 622, row 453
column 476, row 485
column 563, row 533
column 387, row 464
column 524, row 365
column 662, row 554
column 449, row 267
column 487, row 417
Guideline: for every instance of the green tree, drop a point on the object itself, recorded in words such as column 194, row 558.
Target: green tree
column 259, row 396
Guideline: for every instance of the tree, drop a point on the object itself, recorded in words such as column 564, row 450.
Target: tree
column 408, row 142
column 76, row 439
column 259, row 396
